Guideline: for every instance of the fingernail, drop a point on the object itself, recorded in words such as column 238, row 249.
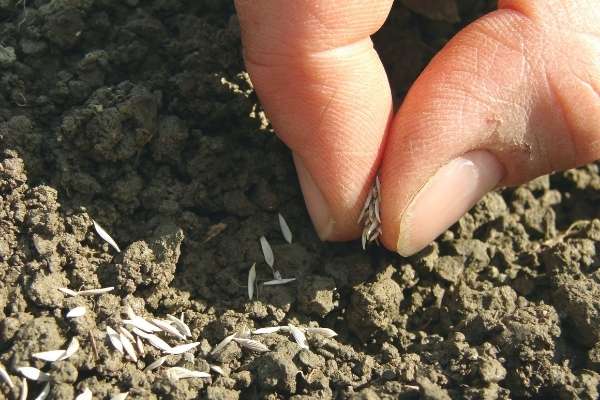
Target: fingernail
column 317, row 206
column 446, row 197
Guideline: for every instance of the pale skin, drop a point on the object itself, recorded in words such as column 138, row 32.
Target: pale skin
column 513, row 96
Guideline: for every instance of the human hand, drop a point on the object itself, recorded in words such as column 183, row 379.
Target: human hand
column 514, row 95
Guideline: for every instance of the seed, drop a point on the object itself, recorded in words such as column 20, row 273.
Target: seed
column 251, row 281
column 128, row 347
column 71, row 349
column 263, row 331
column 76, row 312
column 44, row 393
column 50, row 356
column 253, row 345
column 85, row 395
column 158, row 342
column 155, row 364
column 114, row 338
column 223, row 343
column 142, row 324
column 267, row 251
column 34, row 374
column 129, row 311
column 329, row 333
column 140, row 346
column 299, row 337
column 165, row 326
column 278, row 281
column 5, row 377
column 218, row 370
column 68, row 291
column 104, row 235
column 119, row 396
column 127, row 334
column 24, row 389
column 285, row 229
column 183, row 328
column 91, row 292
column 177, row 373
column 182, row 348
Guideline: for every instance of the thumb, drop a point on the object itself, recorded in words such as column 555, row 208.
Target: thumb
column 513, row 96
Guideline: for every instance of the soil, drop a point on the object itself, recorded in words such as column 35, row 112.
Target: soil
column 139, row 115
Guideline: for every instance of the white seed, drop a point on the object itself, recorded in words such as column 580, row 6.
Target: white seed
column 177, row 373
column 119, row 396
column 329, row 333
column 142, row 324
column 104, row 235
column 129, row 311
column 223, row 343
column 33, row 374
column 76, row 312
column 285, row 229
column 85, row 395
column 127, row 333
column 155, row 364
column 128, row 347
column 158, row 342
column 91, row 292
column 71, row 349
column 267, row 251
column 140, row 346
column 253, row 345
column 183, row 328
column 251, row 281
column 114, row 338
column 263, row 331
column 50, row 356
column 44, row 393
column 24, row 389
column 299, row 337
column 68, row 291
column 218, row 370
column 278, row 281
column 6, row 377
column 166, row 327
column 182, row 348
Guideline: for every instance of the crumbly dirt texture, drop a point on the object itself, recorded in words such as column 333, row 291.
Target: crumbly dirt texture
column 139, row 115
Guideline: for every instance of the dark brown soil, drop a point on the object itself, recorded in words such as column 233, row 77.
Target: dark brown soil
column 140, row 116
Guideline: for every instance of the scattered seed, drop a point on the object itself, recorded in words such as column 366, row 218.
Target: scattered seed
column 253, row 345
column 182, row 348
column 114, row 338
column 218, row 370
column 76, row 312
column 166, row 327
column 183, row 328
column 127, row 334
column 285, row 229
column 44, row 393
column 177, row 373
column 129, row 311
column 24, row 389
column 128, row 347
column 85, row 395
column 104, row 235
column 6, row 377
column 68, row 291
column 155, row 364
column 158, row 342
column 50, row 356
column 142, row 324
column 223, row 343
column 71, row 348
column 119, row 396
column 33, row 374
column 278, row 281
column 299, row 337
column 140, row 346
column 251, row 281
column 329, row 333
column 267, row 251
column 91, row 292
column 264, row 331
